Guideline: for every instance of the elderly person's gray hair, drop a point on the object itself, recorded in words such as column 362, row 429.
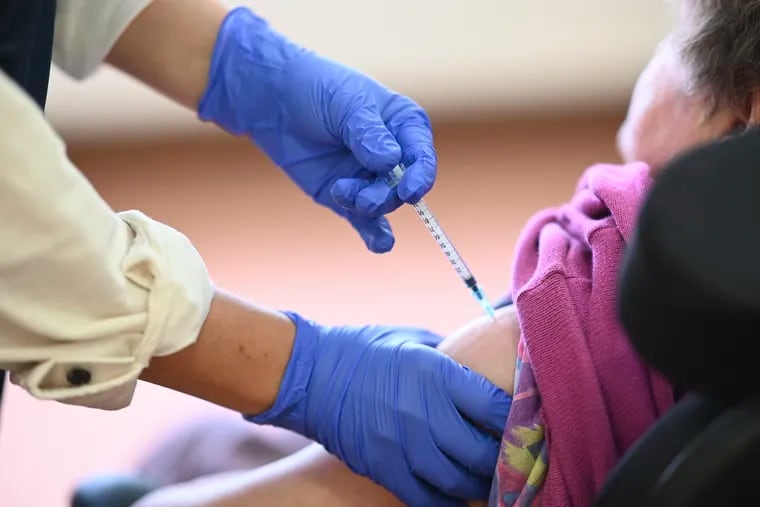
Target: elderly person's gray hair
column 720, row 44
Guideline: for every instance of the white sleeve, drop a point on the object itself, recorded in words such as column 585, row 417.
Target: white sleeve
column 87, row 296
column 86, row 30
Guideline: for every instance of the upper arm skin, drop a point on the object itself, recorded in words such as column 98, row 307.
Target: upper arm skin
column 488, row 347
column 314, row 478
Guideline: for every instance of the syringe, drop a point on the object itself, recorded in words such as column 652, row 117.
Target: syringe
column 445, row 244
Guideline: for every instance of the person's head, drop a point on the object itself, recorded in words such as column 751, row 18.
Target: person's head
column 702, row 82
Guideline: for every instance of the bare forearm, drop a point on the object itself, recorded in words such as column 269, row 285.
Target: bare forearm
column 169, row 47
column 310, row 477
column 238, row 360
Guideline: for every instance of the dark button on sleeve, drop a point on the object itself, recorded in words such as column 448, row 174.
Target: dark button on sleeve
column 78, row 376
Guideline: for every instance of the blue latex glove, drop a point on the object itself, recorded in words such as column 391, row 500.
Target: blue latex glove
column 394, row 409
column 332, row 129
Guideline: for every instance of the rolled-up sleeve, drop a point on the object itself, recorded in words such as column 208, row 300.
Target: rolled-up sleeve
column 87, row 296
column 86, row 30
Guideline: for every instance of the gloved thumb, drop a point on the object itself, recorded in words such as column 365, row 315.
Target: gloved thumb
column 375, row 232
column 366, row 135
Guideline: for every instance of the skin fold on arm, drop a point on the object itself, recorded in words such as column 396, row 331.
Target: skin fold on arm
column 314, row 478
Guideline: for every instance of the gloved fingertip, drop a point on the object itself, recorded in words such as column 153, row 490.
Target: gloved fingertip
column 498, row 395
column 411, row 192
column 373, row 199
column 380, row 243
column 345, row 190
column 383, row 238
column 386, row 154
column 498, row 411
column 367, row 205
column 392, row 148
column 414, row 187
column 375, row 232
column 383, row 146
column 341, row 194
column 478, row 398
column 371, row 142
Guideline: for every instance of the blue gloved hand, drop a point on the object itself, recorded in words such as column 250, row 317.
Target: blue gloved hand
column 394, row 409
column 333, row 130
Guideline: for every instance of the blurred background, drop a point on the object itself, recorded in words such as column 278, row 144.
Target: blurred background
column 523, row 96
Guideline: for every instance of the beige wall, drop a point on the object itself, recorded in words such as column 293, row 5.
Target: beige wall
column 456, row 57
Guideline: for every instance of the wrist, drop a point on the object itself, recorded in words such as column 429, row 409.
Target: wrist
column 246, row 73
column 288, row 408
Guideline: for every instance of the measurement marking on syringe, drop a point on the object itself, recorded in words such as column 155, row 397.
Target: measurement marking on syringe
column 444, row 243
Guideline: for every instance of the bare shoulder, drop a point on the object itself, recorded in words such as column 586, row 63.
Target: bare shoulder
column 488, row 347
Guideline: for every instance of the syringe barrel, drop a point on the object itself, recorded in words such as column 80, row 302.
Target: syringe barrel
column 443, row 241
column 435, row 230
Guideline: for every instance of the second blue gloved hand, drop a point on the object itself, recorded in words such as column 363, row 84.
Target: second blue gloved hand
column 332, row 129
column 394, row 409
